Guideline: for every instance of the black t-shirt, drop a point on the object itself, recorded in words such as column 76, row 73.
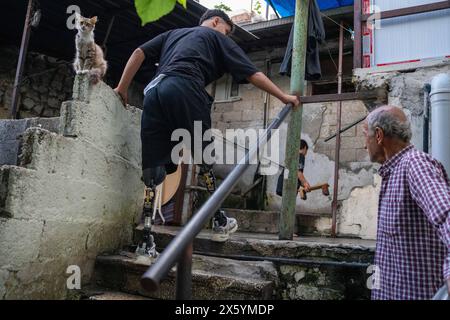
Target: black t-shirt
column 301, row 167
column 200, row 54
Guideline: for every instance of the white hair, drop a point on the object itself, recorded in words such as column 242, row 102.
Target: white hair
column 390, row 124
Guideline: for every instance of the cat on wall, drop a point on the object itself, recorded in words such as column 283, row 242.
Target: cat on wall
column 89, row 56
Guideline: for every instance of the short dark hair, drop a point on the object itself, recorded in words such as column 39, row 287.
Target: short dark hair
column 303, row 145
column 216, row 13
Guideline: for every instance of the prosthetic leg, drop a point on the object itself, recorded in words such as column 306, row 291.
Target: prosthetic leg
column 152, row 177
column 207, row 173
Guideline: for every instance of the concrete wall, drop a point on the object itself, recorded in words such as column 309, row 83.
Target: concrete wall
column 73, row 195
column 404, row 85
column 319, row 122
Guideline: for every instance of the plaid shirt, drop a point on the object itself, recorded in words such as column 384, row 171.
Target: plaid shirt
column 413, row 239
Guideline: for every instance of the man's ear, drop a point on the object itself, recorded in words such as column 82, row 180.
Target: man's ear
column 379, row 135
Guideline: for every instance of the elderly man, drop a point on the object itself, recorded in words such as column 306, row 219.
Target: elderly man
column 413, row 240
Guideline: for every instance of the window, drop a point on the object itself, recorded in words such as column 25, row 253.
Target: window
column 226, row 88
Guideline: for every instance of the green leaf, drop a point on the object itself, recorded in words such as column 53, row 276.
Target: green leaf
column 183, row 3
column 152, row 10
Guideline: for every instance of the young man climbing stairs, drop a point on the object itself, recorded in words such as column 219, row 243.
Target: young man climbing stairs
column 188, row 60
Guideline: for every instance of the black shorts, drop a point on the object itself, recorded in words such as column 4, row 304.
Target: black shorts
column 173, row 103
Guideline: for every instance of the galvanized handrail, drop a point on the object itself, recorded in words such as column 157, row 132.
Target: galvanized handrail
column 180, row 248
column 442, row 294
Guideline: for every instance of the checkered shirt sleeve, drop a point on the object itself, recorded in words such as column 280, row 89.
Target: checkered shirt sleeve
column 430, row 188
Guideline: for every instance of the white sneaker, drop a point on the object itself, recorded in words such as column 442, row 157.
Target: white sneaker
column 222, row 233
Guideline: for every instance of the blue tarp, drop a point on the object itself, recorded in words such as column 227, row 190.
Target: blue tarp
column 286, row 8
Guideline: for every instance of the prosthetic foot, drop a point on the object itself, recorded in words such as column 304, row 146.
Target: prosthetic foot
column 152, row 177
column 147, row 246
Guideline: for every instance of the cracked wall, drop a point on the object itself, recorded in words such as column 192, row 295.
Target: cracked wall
column 319, row 122
column 73, row 195
column 404, row 85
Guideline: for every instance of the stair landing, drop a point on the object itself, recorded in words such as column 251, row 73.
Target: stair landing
column 268, row 245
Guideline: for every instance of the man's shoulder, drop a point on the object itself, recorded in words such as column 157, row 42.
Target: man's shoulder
column 419, row 160
column 417, row 156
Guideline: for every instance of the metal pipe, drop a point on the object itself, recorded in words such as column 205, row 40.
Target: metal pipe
column 334, row 204
column 195, row 188
column 267, row 96
column 274, row 10
column 287, row 260
column 108, row 32
column 21, row 61
column 184, row 274
column 288, row 202
column 357, row 27
column 426, row 117
column 442, row 294
column 258, row 181
column 153, row 276
column 440, row 118
column 346, row 128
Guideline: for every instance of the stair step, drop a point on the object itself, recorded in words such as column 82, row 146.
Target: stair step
column 268, row 245
column 258, row 221
column 255, row 221
column 105, row 294
column 11, row 130
column 212, row 278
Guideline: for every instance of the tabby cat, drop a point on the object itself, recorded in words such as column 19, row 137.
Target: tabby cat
column 89, row 56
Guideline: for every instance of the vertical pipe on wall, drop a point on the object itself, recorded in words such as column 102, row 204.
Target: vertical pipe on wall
column 338, row 136
column 357, row 45
column 426, row 117
column 21, row 61
column 440, row 119
column 287, row 216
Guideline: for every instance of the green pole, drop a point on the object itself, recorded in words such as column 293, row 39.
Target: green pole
column 287, row 217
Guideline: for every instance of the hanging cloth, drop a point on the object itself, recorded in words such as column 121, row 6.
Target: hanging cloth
column 315, row 37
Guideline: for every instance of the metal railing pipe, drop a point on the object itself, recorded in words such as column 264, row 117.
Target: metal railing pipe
column 176, row 248
column 184, row 274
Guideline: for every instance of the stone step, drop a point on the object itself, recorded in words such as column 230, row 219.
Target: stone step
column 106, row 294
column 213, row 278
column 319, row 249
column 308, row 267
column 268, row 221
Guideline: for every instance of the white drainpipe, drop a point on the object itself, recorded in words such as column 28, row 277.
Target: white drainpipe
column 440, row 119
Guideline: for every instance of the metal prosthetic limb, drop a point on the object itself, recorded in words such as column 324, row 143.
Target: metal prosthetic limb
column 147, row 246
column 152, row 178
column 207, row 172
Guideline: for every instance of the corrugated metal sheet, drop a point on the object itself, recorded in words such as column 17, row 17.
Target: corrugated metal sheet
column 411, row 38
